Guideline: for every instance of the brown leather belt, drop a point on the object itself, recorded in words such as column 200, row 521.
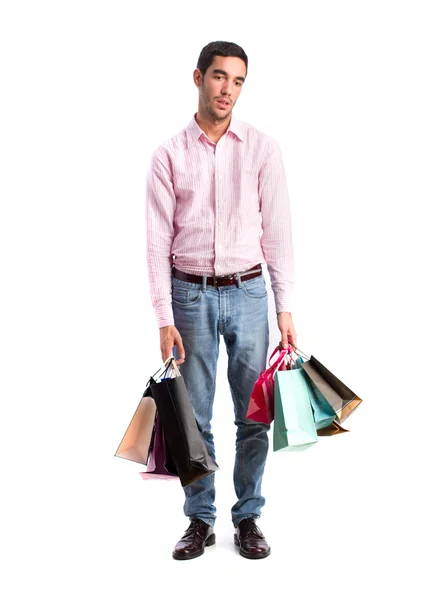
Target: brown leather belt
column 217, row 281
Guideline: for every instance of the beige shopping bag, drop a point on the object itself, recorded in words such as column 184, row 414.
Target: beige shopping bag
column 136, row 442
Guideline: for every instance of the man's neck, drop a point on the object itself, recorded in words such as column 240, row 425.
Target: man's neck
column 212, row 128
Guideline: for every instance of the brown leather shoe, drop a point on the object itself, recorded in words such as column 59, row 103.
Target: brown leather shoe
column 196, row 536
column 250, row 540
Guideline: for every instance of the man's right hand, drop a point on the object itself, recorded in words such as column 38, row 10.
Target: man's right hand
column 169, row 336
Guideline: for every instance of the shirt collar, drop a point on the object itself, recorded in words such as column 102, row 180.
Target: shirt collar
column 194, row 131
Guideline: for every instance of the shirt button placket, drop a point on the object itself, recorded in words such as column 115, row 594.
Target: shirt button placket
column 219, row 234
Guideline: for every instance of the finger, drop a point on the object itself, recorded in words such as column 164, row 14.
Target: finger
column 180, row 350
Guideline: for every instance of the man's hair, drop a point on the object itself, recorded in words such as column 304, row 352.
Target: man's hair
column 213, row 49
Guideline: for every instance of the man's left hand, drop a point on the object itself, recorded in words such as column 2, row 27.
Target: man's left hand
column 286, row 328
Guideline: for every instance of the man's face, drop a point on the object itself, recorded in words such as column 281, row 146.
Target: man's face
column 221, row 85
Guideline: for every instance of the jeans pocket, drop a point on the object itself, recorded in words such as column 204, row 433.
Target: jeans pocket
column 255, row 288
column 185, row 294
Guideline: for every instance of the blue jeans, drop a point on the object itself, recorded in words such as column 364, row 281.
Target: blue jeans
column 240, row 313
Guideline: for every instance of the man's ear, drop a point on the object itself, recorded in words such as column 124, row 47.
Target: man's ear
column 198, row 77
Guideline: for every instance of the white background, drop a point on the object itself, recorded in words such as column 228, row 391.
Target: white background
column 88, row 91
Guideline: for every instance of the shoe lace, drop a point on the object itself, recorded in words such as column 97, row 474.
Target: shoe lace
column 250, row 528
column 196, row 527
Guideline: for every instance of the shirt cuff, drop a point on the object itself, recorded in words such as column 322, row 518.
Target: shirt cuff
column 164, row 315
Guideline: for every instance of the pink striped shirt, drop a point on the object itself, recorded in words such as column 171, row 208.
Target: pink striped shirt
column 216, row 209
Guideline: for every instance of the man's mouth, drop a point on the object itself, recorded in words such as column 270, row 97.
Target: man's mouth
column 223, row 103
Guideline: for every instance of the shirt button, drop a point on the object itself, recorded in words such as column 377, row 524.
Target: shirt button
column 219, row 246
column 221, row 223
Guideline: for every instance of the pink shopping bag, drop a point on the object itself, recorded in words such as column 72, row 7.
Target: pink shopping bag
column 261, row 404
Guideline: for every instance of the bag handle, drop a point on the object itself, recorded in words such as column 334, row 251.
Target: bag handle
column 283, row 357
column 283, row 351
column 174, row 365
column 166, row 365
column 302, row 353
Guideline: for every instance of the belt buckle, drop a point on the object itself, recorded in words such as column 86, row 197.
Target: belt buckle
column 215, row 278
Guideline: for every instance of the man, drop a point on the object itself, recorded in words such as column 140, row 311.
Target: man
column 210, row 189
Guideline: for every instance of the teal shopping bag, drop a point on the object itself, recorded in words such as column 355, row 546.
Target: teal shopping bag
column 294, row 428
column 323, row 412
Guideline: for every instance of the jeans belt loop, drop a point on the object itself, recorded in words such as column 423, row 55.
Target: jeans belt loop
column 238, row 276
column 203, row 284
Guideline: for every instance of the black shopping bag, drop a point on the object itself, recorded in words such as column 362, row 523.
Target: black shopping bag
column 186, row 444
column 342, row 399
column 160, row 462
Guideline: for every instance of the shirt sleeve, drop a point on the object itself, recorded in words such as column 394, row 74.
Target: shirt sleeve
column 160, row 208
column 276, row 238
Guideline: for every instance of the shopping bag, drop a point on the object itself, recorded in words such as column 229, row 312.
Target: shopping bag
column 294, row 428
column 343, row 400
column 323, row 412
column 160, row 463
column 186, row 444
column 261, row 404
column 136, row 441
column 332, row 429
column 136, row 444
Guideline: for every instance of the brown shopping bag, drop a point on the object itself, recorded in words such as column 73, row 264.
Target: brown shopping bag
column 332, row 429
column 136, row 442
column 342, row 399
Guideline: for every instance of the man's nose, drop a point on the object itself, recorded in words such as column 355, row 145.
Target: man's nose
column 227, row 88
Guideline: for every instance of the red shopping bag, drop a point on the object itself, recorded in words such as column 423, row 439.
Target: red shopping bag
column 261, row 404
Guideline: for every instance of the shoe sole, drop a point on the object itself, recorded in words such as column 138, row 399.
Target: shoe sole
column 251, row 555
column 209, row 542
